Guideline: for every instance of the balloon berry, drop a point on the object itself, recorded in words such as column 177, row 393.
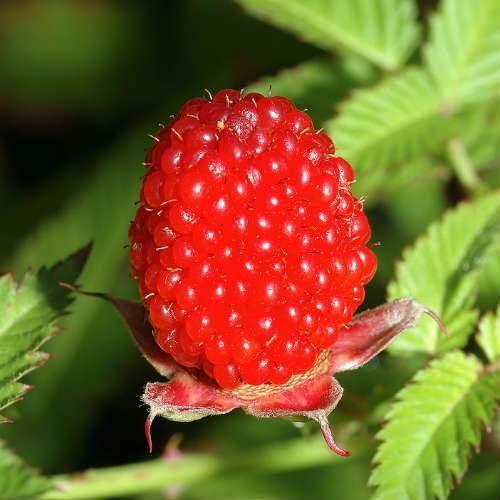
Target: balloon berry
column 249, row 247
column 252, row 255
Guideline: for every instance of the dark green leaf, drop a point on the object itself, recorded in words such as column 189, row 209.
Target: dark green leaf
column 28, row 320
column 17, row 480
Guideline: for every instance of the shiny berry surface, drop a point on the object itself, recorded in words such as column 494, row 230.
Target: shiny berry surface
column 250, row 250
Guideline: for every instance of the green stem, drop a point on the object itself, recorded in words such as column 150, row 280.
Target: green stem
column 463, row 167
column 154, row 475
column 132, row 479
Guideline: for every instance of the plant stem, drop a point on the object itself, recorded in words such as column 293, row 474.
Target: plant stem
column 463, row 167
column 154, row 475
column 132, row 479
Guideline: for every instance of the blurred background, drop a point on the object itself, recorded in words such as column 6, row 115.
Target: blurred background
column 81, row 84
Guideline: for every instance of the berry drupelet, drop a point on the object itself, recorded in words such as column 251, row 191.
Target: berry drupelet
column 250, row 250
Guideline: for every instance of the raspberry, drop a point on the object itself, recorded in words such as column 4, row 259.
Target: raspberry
column 250, row 250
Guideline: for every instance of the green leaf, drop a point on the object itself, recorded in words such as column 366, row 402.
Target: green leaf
column 416, row 111
column 317, row 84
column 440, row 271
column 489, row 283
column 397, row 120
column 101, row 212
column 17, row 480
column 463, row 53
column 384, row 32
column 489, row 335
column 28, row 320
column 426, row 442
column 479, row 132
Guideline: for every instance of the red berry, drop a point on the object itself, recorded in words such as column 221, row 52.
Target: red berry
column 166, row 283
column 262, row 326
column 243, row 347
column 226, row 375
column 184, row 252
column 369, row 262
column 206, row 237
column 199, row 326
column 298, row 122
column 232, row 149
column 194, row 188
column 160, row 313
column 257, row 371
column 249, row 247
column 282, row 350
column 186, row 295
column 151, row 189
column 273, row 167
column 200, row 137
column 259, row 141
column 216, row 350
column 163, row 234
column 359, row 228
column 326, row 189
column 182, row 218
column 151, row 275
column 238, row 126
column 305, row 356
column 271, row 111
column 279, row 374
column 171, row 159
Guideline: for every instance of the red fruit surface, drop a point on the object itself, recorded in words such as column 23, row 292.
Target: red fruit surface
column 249, row 247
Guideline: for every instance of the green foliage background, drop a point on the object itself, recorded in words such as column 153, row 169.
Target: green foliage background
column 410, row 92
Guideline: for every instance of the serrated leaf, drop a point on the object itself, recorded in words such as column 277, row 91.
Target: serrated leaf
column 383, row 31
column 489, row 335
column 463, row 54
column 316, row 84
column 436, row 419
column 397, row 120
column 28, row 320
column 415, row 112
column 440, row 271
column 17, row 480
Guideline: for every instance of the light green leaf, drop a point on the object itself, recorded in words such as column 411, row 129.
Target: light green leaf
column 480, row 132
column 440, row 271
column 463, row 53
column 489, row 335
column 397, row 120
column 17, row 480
column 317, row 84
column 28, row 319
column 426, row 442
column 383, row 31
column 415, row 112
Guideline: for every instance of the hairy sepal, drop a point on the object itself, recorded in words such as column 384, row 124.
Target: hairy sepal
column 190, row 395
